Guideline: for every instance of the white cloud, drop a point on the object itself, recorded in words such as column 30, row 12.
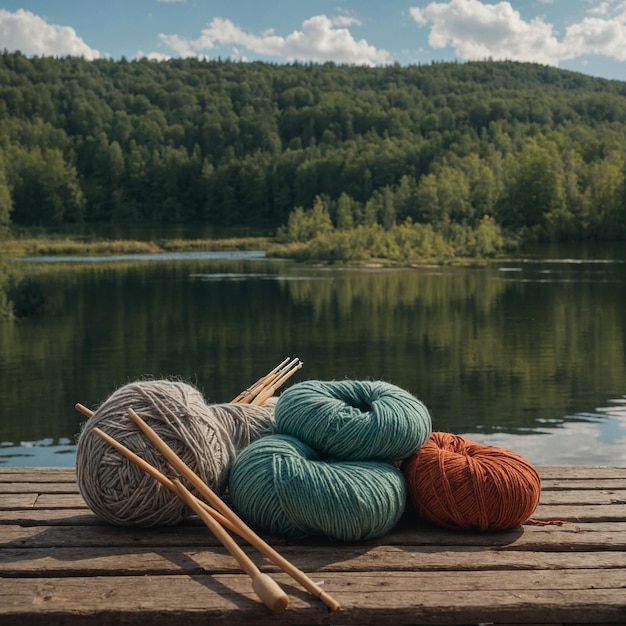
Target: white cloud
column 181, row 46
column 34, row 36
column 595, row 35
column 601, row 9
column 477, row 30
column 320, row 39
column 346, row 20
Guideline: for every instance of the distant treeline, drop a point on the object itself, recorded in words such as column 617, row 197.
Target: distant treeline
column 527, row 149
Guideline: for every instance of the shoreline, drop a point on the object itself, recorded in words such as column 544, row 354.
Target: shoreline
column 13, row 248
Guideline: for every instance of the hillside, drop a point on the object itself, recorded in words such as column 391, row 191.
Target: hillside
column 540, row 151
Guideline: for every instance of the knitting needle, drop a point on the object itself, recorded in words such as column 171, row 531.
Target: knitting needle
column 81, row 408
column 151, row 470
column 260, row 393
column 260, row 382
column 269, row 381
column 265, row 587
column 243, row 529
column 157, row 475
column 269, row 392
column 249, row 394
column 278, row 376
column 268, row 591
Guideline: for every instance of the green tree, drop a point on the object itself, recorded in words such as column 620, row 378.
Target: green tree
column 538, row 185
column 6, row 202
column 46, row 191
column 345, row 213
column 604, row 195
column 302, row 226
column 538, row 148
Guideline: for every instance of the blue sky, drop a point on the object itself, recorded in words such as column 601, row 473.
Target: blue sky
column 587, row 36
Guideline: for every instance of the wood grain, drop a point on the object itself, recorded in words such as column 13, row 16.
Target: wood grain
column 60, row 564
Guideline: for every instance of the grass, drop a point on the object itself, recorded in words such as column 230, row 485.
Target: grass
column 52, row 246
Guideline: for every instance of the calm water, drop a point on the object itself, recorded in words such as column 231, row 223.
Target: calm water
column 527, row 354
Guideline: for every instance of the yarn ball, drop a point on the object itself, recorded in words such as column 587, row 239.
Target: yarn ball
column 457, row 483
column 354, row 420
column 281, row 485
column 206, row 437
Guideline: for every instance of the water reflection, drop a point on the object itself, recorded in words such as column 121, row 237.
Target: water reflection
column 515, row 353
column 45, row 453
column 249, row 255
column 582, row 439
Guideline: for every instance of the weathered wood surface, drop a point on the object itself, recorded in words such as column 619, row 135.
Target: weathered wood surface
column 59, row 564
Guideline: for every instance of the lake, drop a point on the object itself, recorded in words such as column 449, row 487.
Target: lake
column 525, row 353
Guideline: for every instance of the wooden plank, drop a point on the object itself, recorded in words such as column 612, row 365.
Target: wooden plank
column 60, row 501
column 405, row 598
column 607, row 536
column 553, row 540
column 37, row 474
column 555, row 491
column 586, row 513
column 64, row 516
column 595, row 492
column 93, row 561
column 569, row 484
column 600, row 493
column 60, row 564
column 47, row 517
column 580, row 472
column 39, row 487
column 17, row 500
column 546, row 473
column 615, row 511
column 583, row 498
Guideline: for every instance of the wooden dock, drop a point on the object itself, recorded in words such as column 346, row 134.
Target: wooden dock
column 59, row 564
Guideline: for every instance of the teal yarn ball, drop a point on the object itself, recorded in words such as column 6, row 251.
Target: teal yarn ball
column 354, row 420
column 281, row 485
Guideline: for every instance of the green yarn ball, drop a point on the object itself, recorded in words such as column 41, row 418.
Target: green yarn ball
column 281, row 485
column 354, row 420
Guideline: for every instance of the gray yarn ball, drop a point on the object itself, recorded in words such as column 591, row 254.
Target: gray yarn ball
column 207, row 437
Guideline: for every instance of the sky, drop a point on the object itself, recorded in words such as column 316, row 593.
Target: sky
column 587, row 36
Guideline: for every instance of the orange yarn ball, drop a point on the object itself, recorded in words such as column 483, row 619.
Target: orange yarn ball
column 457, row 483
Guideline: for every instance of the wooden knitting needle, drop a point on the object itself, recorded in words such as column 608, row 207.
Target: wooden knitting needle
column 151, row 470
column 260, row 382
column 81, row 408
column 242, row 528
column 265, row 587
column 256, row 394
column 269, row 391
column 157, row 475
column 259, row 392
column 268, row 591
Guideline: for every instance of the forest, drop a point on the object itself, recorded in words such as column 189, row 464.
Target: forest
column 445, row 157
